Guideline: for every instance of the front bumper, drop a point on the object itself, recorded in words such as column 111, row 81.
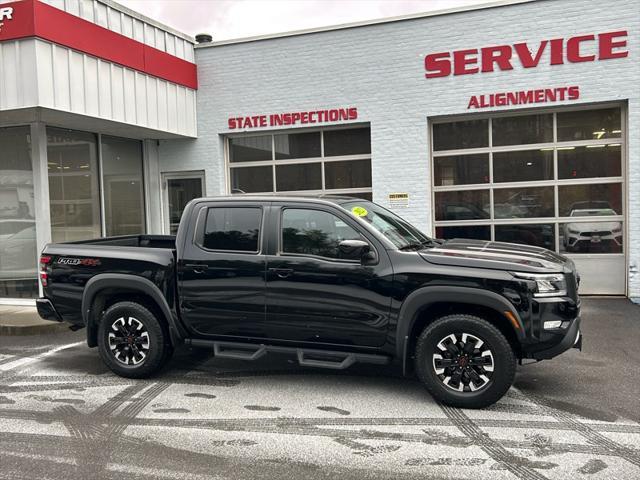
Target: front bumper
column 46, row 310
column 570, row 338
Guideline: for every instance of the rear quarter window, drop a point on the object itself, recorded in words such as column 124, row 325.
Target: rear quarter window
column 232, row 229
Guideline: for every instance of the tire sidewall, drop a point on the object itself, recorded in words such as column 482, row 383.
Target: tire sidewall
column 503, row 358
column 156, row 354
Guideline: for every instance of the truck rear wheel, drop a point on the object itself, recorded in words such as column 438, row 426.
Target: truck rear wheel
column 465, row 361
column 132, row 341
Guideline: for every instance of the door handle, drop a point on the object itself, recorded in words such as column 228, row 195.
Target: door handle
column 197, row 267
column 282, row 272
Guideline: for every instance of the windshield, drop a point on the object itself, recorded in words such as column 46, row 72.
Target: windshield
column 402, row 234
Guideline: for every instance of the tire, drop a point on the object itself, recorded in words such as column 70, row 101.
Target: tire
column 489, row 375
column 125, row 325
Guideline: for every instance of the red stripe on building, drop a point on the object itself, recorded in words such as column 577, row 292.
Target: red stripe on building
column 32, row 18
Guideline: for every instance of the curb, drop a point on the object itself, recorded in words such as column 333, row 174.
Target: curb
column 39, row 329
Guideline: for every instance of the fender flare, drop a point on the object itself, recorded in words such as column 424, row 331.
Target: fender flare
column 424, row 297
column 129, row 282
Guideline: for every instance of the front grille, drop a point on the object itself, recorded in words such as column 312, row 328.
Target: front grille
column 602, row 233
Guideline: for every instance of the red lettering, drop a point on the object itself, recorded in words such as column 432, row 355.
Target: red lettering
column 501, row 99
column 557, row 57
column 232, row 123
column 606, row 44
column 437, row 65
column 526, row 59
column 353, row 113
column 500, row 55
column 473, row 102
column 550, row 94
column 573, row 49
column 304, row 117
column 573, row 92
column 461, row 59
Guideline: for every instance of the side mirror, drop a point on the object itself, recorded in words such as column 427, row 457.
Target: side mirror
column 355, row 249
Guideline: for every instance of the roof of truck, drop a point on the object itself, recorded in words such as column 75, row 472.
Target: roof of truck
column 265, row 197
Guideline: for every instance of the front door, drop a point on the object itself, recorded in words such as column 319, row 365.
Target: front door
column 314, row 293
column 221, row 274
column 179, row 189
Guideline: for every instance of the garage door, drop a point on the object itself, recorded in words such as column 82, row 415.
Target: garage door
column 549, row 178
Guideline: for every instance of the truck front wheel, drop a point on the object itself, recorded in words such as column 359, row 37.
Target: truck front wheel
column 132, row 341
column 465, row 361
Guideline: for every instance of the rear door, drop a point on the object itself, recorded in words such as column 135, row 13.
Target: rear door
column 221, row 273
column 316, row 295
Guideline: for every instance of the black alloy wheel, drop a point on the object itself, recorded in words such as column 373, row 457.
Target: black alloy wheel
column 465, row 361
column 132, row 341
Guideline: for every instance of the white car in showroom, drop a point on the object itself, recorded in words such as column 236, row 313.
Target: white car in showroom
column 593, row 237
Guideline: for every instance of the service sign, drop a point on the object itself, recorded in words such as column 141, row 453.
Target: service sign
column 555, row 51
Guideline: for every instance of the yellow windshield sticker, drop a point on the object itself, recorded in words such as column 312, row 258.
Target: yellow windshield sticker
column 359, row 211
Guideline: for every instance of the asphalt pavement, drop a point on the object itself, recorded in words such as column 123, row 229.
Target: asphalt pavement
column 63, row 415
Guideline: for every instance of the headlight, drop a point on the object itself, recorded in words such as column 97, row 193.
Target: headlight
column 617, row 229
column 548, row 285
column 573, row 230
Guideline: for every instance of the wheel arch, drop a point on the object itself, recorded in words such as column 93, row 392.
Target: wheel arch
column 427, row 304
column 107, row 289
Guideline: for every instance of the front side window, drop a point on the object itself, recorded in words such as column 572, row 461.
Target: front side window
column 314, row 232
column 232, row 228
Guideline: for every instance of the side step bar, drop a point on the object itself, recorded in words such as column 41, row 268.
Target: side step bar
column 307, row 357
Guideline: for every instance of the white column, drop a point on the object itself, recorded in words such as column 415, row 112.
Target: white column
column 40, row 185
column 152, row 187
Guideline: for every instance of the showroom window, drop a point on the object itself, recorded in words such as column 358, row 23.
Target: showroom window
column 18, row 275
column 334, row 160
column 95, row 185
column 551, row 179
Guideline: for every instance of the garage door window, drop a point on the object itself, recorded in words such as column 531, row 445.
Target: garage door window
column 552, row 179
column 331, row 160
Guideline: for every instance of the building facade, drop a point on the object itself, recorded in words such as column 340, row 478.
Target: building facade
column 513, row 121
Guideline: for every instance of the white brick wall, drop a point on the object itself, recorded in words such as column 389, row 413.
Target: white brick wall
column 379, row 69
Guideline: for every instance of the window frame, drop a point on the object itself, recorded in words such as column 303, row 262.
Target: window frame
column 201, row 224
column 273, row 163
column 281, row 253
column 557, row 220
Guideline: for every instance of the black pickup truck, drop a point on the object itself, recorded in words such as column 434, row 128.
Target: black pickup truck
column 332, row 280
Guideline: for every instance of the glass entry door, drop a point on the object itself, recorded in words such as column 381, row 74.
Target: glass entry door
column 179, row 189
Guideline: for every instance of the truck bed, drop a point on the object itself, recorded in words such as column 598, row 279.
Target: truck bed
column 72, row 265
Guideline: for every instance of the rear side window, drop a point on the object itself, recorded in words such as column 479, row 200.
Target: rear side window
column 313, row 232
column 232, row 228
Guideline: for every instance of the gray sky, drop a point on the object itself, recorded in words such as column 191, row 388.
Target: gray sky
column 226, row 19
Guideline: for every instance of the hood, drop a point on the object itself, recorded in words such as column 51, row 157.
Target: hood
column 497, row 256
column 594, row 226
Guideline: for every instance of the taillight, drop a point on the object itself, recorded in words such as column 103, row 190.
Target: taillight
column 44, row 275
